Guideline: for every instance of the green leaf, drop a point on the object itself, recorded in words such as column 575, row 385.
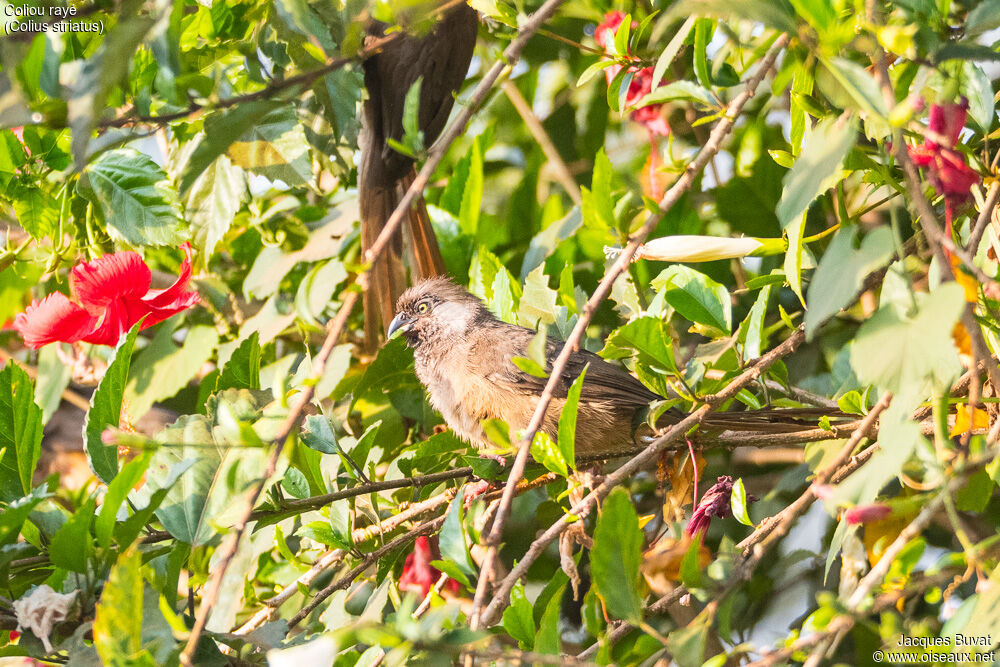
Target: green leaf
column 118, row 619
column 690, row 569
column 616, row 556
column 212, row 202
column 275, row 147
column 53, row 379
column 668, row 54
column 472, row 196
column 862, row 90
column 163, row 368
column 225, row 456
column 14, row 515
column 738, row 501
column 752, row 329
column 130, row 475
column 547, row 641
column 567, row 420
column 242, row 371
column 222, row 128
column 454, row 547
column 911, row 355
column 817, row 168
column 820, row 14
column 518, row 620
column 413, row 136
column 985, row 16
column 792, row 264
column 975, row 495
column 106, row 410
column 530, row 366
column 679, row 90
column 696, row 296
column 842, row 271
column 546, row 452
column 20, row 432
column 852, row 403
column 37, row 212
column 72, row 544
column 703, row 30
column 138, row 204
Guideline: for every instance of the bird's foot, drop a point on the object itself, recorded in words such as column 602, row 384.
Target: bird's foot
column 474, row 490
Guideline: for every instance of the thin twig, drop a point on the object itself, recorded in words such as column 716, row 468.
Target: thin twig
column 537, row 130
column 229, row 547
column 677, row 431
column 985, row 215
column 683, row 184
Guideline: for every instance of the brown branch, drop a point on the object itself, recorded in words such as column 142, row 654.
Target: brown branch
column 452, row 132
column 774, row 528
column 673, row 195
column 537, row 130
column 976, row 236
column 649, row 454
column 425, row 528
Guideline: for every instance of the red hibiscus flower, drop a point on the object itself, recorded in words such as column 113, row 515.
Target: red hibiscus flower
column 715, row 503
column 946, row 168
column 650, row 117
column 867, row 513
column 418, row 573
column 110, row 295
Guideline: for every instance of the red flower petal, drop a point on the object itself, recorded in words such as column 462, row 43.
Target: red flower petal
column 867, row 513
column 604, row 35
column 122, row 275
column 418, row 573
column 954, row 176
column 176, row 297
column 115, row 323
column 55, row 318
column 948, row 120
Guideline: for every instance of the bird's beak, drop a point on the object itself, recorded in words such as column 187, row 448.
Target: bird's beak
column 399, row 325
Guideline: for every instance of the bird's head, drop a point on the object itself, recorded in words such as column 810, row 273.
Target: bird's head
column 436, row 309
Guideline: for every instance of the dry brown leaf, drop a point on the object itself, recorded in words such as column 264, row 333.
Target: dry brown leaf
column 661, row 565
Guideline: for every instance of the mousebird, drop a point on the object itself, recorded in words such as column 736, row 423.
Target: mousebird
column 440, row 60
column 464, row 357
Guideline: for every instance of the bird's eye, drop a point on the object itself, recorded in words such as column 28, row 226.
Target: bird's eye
column 423, row 307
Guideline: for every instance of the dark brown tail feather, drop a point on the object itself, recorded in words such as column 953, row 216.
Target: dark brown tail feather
column 388, row 273
column 772, row 420
column 387, row 277
column 427, row 260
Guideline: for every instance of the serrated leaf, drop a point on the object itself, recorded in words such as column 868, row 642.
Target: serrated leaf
column 20, row 432
column 106, row 410
column 118, row 618
column 518, row 620
column 696, row 296
column 242, row 371
column 138, row 204
column 72, row 544
column 817, row 168
column 546, row 452
column 163, row 368
column 910, row 354
column 842, row 271
column 131, row 474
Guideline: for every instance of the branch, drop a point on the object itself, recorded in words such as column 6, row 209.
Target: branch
column 336, row 326
column 572, row 343
column 583, row 508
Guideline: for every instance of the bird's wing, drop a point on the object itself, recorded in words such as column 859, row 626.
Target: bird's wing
column 603, row 382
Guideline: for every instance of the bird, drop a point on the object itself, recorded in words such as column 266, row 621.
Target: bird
column 464, row 356
column 440, row 60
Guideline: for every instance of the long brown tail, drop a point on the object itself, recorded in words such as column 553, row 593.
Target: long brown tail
column 388, row 275
column 774, row 420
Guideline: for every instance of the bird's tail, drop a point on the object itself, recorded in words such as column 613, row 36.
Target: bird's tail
column 773, row 420
column 388, row 275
